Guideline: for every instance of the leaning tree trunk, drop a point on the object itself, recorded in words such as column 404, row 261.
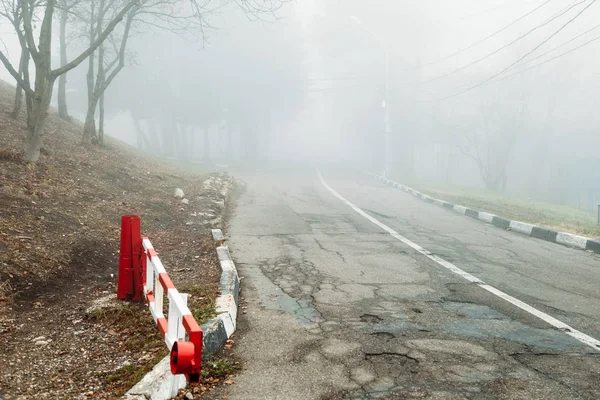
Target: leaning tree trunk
column 24, row 73
column 100, row 92
column 94, row 95
column 101, row 121
column 28, row 96
column 89, row 127
column 18, row 93
column 62, row 80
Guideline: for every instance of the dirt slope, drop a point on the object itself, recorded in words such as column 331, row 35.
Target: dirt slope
column 59, row 243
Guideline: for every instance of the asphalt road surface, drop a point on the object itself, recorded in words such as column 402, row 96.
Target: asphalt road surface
column 357, row 290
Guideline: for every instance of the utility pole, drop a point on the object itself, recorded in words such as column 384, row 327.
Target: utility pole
column 386, row 102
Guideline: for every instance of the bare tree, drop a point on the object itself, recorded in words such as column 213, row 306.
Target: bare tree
column 490, row 143
column 45, row 76
column 11, row 10
column 66, row 7
column 106, row 64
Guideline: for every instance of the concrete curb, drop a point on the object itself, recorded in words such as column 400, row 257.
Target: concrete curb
column 219, row 329
column 157, row 384
column 538, row 232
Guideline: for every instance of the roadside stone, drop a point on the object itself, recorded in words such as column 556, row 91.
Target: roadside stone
column 179, row 194
column 185, row 201
column 103, row 302
column 189, row 396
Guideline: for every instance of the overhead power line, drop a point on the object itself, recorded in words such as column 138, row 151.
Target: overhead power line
column 521, row 58
column 489, row 36
column 559, row 46
column 547, row 61
column 507, row 45
column 488, row 10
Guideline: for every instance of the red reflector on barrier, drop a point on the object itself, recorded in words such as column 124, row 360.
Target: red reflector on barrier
column 182, row 357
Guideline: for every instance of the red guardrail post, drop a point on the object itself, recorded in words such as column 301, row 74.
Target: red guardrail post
column 138, row 253
column 125, row 283
column 131, row 283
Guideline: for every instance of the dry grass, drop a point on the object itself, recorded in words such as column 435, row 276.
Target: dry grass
column 134, row 328
column 59, row 243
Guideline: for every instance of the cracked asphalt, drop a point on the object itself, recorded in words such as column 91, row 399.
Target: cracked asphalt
column 339, row 309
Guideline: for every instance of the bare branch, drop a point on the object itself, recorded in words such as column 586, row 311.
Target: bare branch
column 109, row 28
column 15, row 74
column 121, row 55
column 27, row 15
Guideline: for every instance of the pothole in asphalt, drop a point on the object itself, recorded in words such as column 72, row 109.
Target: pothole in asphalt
column 370, row 318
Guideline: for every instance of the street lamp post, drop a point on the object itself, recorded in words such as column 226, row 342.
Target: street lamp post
column 386, row 102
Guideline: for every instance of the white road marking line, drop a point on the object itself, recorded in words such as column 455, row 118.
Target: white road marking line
column 582, row 337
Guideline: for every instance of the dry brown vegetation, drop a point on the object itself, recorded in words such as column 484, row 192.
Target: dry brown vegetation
column 59, row 243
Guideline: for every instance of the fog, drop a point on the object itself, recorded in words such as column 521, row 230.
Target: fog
column 498, row 94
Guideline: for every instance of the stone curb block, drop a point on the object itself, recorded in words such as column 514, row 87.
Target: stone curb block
column 538, row 232
column 157, row 384
column 219, row 329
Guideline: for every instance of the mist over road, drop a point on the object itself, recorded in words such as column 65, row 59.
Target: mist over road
column 339, row 308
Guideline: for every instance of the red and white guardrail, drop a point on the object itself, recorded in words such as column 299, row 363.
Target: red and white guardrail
column 141, row 273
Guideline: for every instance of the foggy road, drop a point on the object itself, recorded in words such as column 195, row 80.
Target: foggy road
column 339, row 308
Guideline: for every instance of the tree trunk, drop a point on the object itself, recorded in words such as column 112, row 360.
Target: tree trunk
column 18, row 94
column 24, row 72
column 28, row 97
column 206, row 142
column 229, row 150
column 183, row 142
column 44, row 83
column 158, row 144
column 100, row 80
column 62, row 80
column 89, row 128
column 192, row 147
column 41, row 104
column 101, row 121
column 177, row 141
column 168, row 129
column 142, row 140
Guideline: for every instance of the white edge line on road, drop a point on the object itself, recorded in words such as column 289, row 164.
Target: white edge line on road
column 582, row 337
